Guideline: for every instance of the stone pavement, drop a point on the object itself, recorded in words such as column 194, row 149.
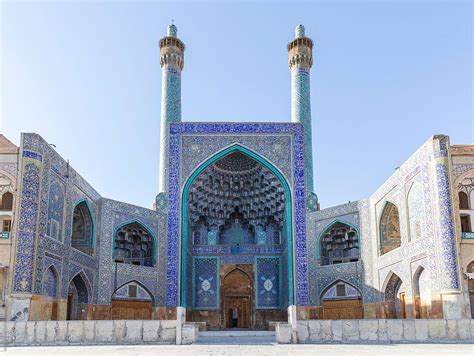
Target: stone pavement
column 247, row 350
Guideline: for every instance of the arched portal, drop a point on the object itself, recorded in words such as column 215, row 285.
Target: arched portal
column 341, row 300
column 132, row 301
column 236, row 210
column 394, row 298
column 78, row 298
column 422, row 293
column 50, row 288
column 237, row 303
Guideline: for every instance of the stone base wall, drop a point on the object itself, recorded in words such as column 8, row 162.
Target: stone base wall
column 214, row 319
column 94, row 332
column 377, row 331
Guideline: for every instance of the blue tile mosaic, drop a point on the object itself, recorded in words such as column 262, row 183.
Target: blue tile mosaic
column 268, row 275
column 206, row 283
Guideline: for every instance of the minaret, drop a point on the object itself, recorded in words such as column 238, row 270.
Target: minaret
column 300, row 61
column 172, row 63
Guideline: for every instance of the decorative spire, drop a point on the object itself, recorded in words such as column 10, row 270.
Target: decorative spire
column 173, row 30
column 299, row 31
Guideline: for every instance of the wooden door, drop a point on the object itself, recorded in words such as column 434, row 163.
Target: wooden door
column 403, row 313
column 54, row 310
column 131, row 310
column 242, row 306
column 70, row 306
column 343, row 309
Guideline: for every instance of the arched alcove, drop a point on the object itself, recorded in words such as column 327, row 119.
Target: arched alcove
column 338, row 243
column 50, row 282
column 82, row 237
column 394, row 298
column 134, row 244
column 463, row 201
column 389, row 232
column 78, row 298
column 7, row 201
column 422, row 293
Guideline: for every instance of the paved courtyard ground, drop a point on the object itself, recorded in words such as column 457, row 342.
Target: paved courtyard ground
column 248, row 350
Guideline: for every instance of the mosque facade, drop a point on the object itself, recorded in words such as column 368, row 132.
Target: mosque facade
column 236, row 237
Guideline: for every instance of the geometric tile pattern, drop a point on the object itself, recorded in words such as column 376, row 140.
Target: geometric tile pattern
column 239, row 132
column 23, row 277
column 206, row 282
column 268, row 282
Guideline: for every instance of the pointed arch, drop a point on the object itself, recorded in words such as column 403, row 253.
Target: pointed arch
column 393, row 301
column 341, row 281
column 7, row 201
column 349, row 253
column 139, row 284
column 51, row 281
column 79, row 295
column 421, row 293
column 151, row 253
column 80, row 280
column 288, row 212
column 341, row 300
column 236, row 284
column 392, row 279
column 82, row 227
column 389, row 228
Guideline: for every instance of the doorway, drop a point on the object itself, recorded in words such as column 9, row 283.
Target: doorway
column 236, row 307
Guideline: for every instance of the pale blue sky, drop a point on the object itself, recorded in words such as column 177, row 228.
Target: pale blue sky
column 387, row 76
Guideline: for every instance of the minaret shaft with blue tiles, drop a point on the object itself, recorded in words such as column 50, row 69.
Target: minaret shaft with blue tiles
column 300, row 61
column 172, row 63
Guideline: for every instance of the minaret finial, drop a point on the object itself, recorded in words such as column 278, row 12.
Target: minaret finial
column 172, row 30
column 299, row 31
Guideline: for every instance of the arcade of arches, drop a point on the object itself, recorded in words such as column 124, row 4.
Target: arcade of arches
column 399, row 304
column 236, row 245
